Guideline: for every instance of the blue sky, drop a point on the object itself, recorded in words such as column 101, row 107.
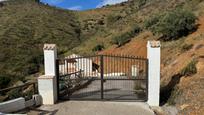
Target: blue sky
column 81, row 4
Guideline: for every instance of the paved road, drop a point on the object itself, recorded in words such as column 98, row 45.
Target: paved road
column 94, row 108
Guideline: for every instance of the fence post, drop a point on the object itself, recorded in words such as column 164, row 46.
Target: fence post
column 153, row 55
column 102, row 70
column 47, row 84
column 57, row 76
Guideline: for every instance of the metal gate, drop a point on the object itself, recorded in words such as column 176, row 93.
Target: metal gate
column 102, row 77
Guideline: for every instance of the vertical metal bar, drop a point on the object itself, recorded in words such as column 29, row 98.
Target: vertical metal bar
column 101, row 61
column 147, row 79
column 106, row 64
column 67, row 64
column 89, row 66
column 123, row 63
column 132, row 64
column 125, row 60
column 144, row 67
column 81, row 64
column 113, row 60
column 34, row 89
column 117, row 66
column 57, row 75
column 64, row 67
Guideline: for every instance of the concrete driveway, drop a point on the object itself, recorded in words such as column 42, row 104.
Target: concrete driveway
column 113, row 90
column 94, row 108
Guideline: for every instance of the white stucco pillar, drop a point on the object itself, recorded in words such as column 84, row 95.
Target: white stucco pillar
column 47, row 84
column 153, row 55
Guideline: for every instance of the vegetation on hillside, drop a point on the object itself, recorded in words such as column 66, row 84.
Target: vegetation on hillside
column 25, row 26
column 4, row 80
column 190, row 69
column 172, row 24
column 98, row 47
column 113, row 24
column 126, row 37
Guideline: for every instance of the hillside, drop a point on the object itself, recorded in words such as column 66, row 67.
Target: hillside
column 27, row 24
column 183, row 90
column 112, row 21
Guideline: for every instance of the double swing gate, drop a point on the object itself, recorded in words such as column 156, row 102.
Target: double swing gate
column 102, row 77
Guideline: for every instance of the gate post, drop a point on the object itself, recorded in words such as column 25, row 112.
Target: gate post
column 153, row 55
column 47, row 84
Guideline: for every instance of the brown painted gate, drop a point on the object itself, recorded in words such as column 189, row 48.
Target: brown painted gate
column 102, row 77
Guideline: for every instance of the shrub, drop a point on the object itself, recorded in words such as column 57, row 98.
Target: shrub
column 25, row 92
column 126, row 37
column 141, row 3
column 122, row 39
column 151, row 22
column 98, row 47
column 172, row 24
column 174, row 95
column 4, row 81
column 15, row 93
column 190, row 69
column 113, row 18
column 186, row 47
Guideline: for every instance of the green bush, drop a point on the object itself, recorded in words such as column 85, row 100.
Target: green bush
column 172, row 24
column 122, row 39
column 113, row 18
column 15, row 93
column 126, row 37
column 20, row 92
column 4, row 81
column 98, row 47
column 186, row 47
column 141, row 3
column 190, row 69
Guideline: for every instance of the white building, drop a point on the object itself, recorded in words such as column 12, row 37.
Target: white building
column 75, row 63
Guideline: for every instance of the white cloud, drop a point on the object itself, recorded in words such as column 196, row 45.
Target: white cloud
column 109, row 2
column 75, row 8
